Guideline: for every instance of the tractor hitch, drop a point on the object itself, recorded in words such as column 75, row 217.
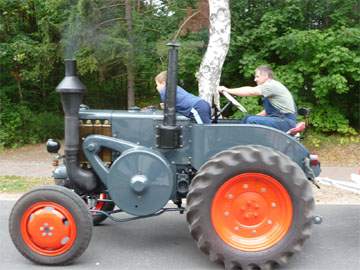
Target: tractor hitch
column 317, row 220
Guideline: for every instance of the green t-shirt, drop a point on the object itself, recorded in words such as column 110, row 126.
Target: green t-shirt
column 278, row 95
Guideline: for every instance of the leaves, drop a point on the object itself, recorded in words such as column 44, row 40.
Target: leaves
column 313, row 47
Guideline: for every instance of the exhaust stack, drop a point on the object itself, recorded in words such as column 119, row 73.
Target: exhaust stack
column 169, row 134
column 171, row 84
column 72, row 91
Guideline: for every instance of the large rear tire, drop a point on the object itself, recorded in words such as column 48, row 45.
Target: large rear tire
column 250, row 207
column 50, row 225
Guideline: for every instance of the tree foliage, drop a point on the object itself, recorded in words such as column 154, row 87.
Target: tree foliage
column 313, row 46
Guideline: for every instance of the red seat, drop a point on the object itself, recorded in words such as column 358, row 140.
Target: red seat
column 300, row 127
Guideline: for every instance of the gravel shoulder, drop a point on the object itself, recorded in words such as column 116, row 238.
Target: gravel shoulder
column 34, row 161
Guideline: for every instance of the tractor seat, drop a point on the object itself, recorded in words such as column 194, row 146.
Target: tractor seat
column 300, row 127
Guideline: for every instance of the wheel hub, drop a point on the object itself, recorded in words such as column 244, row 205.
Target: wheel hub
column 251, row 211
column 48, row 228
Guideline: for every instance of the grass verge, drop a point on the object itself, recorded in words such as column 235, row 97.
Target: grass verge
column 334, row 150
column 17, row 184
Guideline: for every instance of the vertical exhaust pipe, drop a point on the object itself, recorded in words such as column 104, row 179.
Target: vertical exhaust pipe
column 169, row 134
column 72, row 91
column 171, row 84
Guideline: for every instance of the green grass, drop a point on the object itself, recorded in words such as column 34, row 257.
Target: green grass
column 16, row 184
column 316, row 140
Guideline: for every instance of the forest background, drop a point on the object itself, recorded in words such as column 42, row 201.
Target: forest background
column 120, row 45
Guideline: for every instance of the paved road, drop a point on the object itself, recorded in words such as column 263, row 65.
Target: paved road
column 164, row 243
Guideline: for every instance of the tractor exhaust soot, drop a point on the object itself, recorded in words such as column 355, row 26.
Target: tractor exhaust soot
column 72, row 91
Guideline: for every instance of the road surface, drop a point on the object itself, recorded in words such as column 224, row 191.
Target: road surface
column 164, row 243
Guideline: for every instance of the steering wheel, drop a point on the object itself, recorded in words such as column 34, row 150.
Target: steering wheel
column 232, row 101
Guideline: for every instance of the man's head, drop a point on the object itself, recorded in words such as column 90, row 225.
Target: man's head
column 160, row 80
column 262, row 74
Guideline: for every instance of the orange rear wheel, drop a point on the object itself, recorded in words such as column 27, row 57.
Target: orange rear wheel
column 251, row 211
column 250, row 207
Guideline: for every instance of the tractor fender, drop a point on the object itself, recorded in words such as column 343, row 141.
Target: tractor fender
column 208, row 140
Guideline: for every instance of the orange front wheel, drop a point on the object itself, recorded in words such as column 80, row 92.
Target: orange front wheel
column 48, row 228
column 50, row 225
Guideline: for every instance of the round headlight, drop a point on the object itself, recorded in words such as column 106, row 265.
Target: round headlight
column 53, row 146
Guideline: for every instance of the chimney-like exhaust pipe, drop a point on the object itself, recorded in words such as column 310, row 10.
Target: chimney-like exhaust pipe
column 169, row 134
column 171, row 84
column 72, row 91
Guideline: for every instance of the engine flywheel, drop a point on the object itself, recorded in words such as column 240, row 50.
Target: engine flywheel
column 140, row 181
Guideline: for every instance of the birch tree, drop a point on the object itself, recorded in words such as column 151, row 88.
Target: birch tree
column 219, row 41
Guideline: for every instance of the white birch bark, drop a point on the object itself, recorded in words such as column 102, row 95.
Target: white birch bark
column 213, row 60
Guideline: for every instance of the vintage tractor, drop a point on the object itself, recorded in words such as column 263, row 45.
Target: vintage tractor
column 249, row 202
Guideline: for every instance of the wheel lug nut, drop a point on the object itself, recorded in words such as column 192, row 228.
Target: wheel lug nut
column 226, row 213
column 273, row 205
column 245, row 186
column 230, row 196
column 236, row 228
column 269, row 221
column 263, row 189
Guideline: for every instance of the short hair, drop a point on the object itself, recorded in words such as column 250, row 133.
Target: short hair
column 161, row 77
column 265, row 69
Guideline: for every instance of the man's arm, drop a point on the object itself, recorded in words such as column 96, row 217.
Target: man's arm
column 244, row 91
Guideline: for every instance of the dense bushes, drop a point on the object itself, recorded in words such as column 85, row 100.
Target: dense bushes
column 19, row 125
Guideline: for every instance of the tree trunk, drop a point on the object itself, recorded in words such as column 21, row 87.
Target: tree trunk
column 20, row 92
column 17, row 77
column 219, row 41
column 130, row 55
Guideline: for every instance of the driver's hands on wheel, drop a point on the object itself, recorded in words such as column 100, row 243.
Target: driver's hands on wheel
column 225, row 91
column 222, row 89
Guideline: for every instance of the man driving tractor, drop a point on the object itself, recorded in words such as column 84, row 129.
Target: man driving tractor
column 279, row 106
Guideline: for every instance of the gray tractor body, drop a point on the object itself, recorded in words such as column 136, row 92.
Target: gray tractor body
column 152, row 156
column 199, row 142
column 142, row 177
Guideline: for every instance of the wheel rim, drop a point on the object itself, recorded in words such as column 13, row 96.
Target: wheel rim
column 48, row 228
column 251, row 212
